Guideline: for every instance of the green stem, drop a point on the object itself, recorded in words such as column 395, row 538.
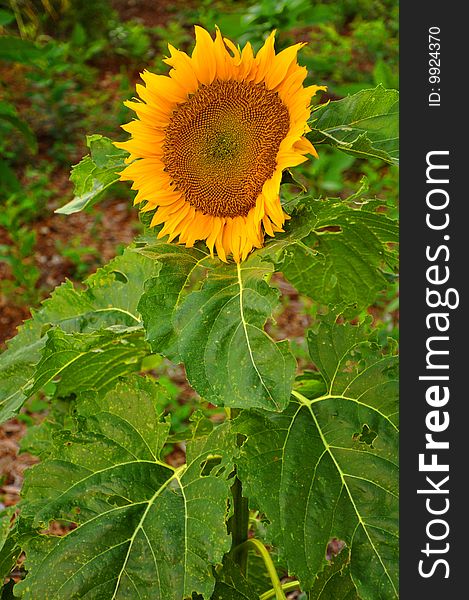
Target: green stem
column 286, row 587
column 277, row 587
column 300, row 397
column 239, row 522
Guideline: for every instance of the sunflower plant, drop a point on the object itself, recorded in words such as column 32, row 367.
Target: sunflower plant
column 296, row 489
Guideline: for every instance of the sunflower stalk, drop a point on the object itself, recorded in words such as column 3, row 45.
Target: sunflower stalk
column 239, row 522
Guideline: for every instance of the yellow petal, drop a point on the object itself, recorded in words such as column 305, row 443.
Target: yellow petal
column 271, row 186
column 150, row 113
column 292, row 84
column 305, row 146
column 268, row 226
column 219, row 242
column 248, row 68
column 234, row 50
column 165, row 86
column 203, row 56
column 183, row 70
column 265, row 57
column 221, row 57
column 217, row 224
column 280, row 65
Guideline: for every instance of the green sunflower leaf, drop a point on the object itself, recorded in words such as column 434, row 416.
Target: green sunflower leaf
column 335, row 581
column 143, row 529
column 217, row 330
column 95, row 173
column 231, row 584
column 336, row 455
column 164, row 293
column 89, row 361
column 110, row 299
column 229, row 359
column 365, row 125
column 335, row 254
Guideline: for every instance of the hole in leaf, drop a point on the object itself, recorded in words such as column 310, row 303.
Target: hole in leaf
column 58, row 527
column 287, row 177
column 220, row 471
column 240, row 439
column 334, row 548
column 208, row 465
column 366, row 436
column 120, row 277
column 331, row 228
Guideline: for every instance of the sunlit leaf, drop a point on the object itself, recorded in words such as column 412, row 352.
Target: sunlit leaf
column 165, row 292
column 94, row 174
column 230, row 360
column 365, row 125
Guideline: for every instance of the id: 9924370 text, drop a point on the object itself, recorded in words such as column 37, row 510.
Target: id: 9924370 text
column 434, row 66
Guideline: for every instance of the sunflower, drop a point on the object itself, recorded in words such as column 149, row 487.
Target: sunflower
column 212, row 139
